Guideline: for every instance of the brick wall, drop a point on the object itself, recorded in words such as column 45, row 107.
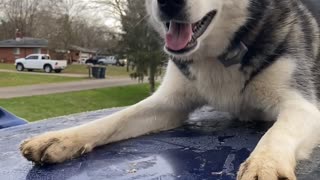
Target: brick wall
column 7, row 55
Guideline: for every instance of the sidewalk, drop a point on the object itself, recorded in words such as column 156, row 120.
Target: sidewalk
column 34, row 90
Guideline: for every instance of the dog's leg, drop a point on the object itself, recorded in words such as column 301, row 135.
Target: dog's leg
column 292, row 138
column 146, row 117
column 165, row 110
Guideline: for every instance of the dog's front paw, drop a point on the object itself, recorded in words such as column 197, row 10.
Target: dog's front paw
column 266, row 166
column 54, row 147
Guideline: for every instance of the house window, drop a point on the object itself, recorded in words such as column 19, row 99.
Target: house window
column 16, row 51
column 37, row 50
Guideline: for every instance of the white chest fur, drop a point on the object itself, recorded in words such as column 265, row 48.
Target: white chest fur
column 220, row 86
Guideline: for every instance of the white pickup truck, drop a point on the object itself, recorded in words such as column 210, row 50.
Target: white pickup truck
column 40, row 62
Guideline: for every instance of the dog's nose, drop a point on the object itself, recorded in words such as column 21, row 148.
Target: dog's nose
column 171, row 8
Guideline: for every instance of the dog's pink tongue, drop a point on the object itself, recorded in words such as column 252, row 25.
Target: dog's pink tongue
column 178, row 36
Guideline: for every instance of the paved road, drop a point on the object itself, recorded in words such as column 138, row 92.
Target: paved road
column 44, row 89
column 47, row 74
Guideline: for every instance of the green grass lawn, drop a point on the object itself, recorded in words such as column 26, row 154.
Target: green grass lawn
column 16, row 79
column 7, row 66
column 82, row 69
column 47, row 106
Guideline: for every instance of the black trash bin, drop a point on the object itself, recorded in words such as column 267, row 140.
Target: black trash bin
column 99, row 72
column 103, row 71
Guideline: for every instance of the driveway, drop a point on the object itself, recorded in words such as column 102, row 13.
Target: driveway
column 33, row 90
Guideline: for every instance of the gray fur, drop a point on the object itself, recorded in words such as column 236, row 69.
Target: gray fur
column 286, row 28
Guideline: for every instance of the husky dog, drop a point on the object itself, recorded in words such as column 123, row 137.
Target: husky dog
column 257, row 59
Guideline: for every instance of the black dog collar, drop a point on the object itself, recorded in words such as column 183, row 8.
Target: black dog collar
column 234, row 55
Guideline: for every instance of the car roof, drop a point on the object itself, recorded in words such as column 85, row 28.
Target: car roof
column 38, row 55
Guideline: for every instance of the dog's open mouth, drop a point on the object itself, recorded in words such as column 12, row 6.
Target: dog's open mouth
column 182, row 37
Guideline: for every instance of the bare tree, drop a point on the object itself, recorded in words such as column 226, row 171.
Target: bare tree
column 113, row 8
column 65, row 12
column 20, row 14
column 62, row 22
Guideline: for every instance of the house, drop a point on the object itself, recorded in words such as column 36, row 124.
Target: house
column 80, row 54
column 20, row 47
column 74, row 53
column 12, row 49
